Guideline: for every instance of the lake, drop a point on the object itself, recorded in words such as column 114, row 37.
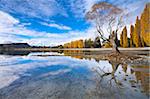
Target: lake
column 53, row 75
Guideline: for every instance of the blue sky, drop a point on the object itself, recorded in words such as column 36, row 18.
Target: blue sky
column 54, row 22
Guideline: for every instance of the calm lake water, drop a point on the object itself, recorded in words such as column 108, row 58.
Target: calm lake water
column 59, row 76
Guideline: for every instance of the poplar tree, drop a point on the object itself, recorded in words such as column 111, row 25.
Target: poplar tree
column 145, row 25
column 125, row 38
column 136, row 34
column 131, row 36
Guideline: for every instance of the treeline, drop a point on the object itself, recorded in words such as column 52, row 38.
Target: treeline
column 139, row 33
column 74, row 44
column 88, row 43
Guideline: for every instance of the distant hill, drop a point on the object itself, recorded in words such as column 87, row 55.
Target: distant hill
column 14, row 45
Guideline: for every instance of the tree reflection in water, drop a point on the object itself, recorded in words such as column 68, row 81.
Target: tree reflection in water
column 111, row 80
column 135, row 77
column 140, row 79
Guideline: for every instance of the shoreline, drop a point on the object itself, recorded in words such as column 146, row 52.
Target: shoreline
column 82, row 49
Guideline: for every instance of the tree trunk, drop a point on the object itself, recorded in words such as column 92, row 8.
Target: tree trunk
column 113, row 40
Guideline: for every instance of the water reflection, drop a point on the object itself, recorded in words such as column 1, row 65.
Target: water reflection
column 124, row 76
column 141, row 73
column 14, row 52
column 142, row 76
column 71, row 75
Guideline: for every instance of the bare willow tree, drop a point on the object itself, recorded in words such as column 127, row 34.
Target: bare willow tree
column 107, row 19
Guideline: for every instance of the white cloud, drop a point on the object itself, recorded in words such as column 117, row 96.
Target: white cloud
column 132, row 7
column 33, row 8
column 80, row 7
column 11, row 31
column 57, row 39
column 61, row 27
column 7, row 20
column 24, row 24
column 13, row 68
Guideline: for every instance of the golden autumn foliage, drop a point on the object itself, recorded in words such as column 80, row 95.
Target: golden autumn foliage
column 140, row 33
column 74, row 53
column 131, row 35
column 107, row 45
column 137, row 33
column 74, row 44
column 124, row 38
column 145, row 25
column 80, row 44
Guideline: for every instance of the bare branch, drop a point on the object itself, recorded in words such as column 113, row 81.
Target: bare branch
column 105, row 16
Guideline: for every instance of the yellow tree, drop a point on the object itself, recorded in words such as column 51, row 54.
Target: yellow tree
column 125, row 38
column 69, row 45
column 145, row 25
column 136, row 34
column 75, row 44
column 131, row 35
column 80, row 44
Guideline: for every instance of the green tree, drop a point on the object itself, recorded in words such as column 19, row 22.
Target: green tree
column 89, row 43
column 121, row 39
column 97, row 43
